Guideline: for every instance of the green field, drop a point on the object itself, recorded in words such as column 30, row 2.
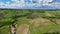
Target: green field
column 39, row 21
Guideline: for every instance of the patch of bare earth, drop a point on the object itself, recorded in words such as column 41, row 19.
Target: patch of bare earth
column 23, row 29
column 58, row 21
column 39, row 21
column 42, row 23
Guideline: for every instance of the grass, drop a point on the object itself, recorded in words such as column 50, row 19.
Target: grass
column 4, row 30
column 43, row 28
column 22, row 20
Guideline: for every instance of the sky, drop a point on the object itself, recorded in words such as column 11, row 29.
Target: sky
column 30, row 4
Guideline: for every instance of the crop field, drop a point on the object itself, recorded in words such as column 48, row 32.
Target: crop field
column 30, row 21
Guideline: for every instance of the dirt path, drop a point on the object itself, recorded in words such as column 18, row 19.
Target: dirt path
column 23, row 29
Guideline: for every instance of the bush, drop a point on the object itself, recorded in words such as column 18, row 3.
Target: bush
column 4, row 22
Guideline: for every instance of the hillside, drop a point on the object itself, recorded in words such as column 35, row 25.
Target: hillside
column 30, row 21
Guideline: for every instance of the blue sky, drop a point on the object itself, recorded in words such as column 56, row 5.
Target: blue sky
column 30, row 4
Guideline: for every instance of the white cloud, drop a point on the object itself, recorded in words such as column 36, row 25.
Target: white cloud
column 12, row 5
column 15, row 1
column 8, row 2
column 46, row 2
column 49, row 0
column 56, row 5
column 22, row 3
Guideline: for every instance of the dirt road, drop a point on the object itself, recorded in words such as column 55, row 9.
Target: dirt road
column 23, row 29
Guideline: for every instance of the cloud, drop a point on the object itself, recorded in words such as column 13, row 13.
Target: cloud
column 56, row 5
column 22, row 4
column 46, row 2
column 12, row 5
column 8, row 2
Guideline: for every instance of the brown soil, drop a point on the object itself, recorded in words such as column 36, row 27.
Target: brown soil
column 39, row 21
column 23, row 29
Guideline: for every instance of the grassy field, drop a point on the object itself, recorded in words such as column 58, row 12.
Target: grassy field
column 4, row 30
column 39, row 21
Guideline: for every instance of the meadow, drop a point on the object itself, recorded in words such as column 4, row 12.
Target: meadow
column 39, row 21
